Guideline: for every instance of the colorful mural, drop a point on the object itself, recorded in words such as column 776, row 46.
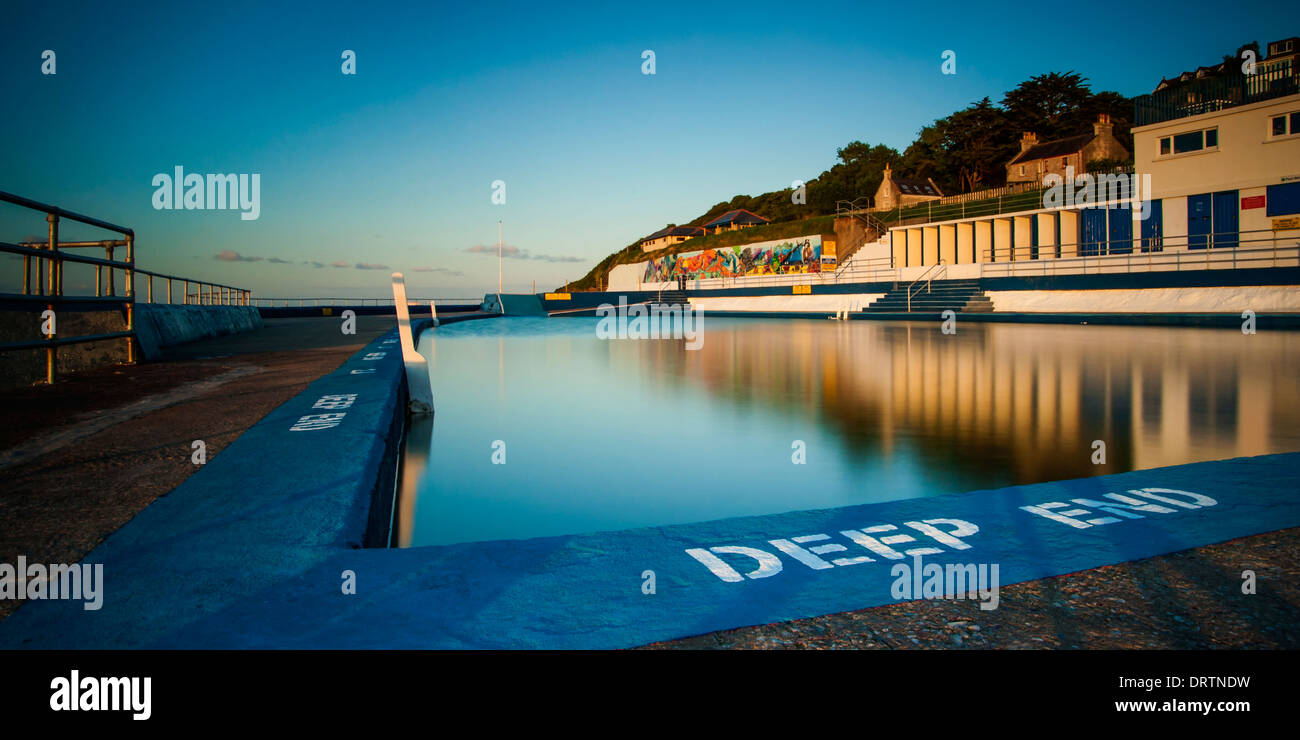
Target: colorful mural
column 780, row 257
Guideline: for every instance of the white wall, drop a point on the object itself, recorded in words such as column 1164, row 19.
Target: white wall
column 627, row 277
column 819, row 304
column 1260, row 299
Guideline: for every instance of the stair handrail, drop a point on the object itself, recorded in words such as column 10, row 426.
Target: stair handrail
column 937, row 268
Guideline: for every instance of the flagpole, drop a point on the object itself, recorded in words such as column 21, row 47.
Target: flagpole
column 498, row 256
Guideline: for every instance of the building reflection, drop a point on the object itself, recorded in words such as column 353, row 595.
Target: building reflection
column 994, row 399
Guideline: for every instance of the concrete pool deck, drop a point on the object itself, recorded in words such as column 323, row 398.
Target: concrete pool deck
column 252, row 551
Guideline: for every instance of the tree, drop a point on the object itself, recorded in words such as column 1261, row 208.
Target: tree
column 1048, row 105
column 976, row 145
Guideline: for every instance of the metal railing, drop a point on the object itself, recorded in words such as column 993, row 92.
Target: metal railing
column 300, row 302
column 46, row 287
column 932, row 273
column 856, row 270
column 1210, row 94
column 1021, row 196
column 1257, row 252
column 1257, row 248
column 204, row 293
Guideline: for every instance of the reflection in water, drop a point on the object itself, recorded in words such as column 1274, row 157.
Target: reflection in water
column 1027, row 399
column 615, row 434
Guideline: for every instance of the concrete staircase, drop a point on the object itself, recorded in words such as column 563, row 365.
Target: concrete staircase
column 671, row 298
column 962, row 296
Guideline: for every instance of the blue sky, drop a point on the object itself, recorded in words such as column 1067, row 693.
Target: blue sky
column 394, row 166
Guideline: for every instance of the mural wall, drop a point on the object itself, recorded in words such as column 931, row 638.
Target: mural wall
column 780, row 257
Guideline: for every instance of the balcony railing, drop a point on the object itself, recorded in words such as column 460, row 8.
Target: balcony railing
column 1210, row 94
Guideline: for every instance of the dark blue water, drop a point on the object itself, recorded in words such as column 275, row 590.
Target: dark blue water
column 601, row 434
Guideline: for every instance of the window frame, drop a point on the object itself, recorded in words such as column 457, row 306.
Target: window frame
column 1290, row 125
column 1166, row 146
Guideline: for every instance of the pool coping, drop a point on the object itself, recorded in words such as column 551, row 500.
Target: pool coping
column 255, row 548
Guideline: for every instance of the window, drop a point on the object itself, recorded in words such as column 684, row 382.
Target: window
column 1065, row 161
column 1285, row 124
column 1191, row 141
column 1283, row 200
column 1022, row 169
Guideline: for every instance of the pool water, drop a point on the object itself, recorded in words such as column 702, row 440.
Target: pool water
column 542, row 428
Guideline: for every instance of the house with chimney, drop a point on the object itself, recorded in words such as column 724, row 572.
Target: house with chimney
column 904, row 191
column 1038, row 159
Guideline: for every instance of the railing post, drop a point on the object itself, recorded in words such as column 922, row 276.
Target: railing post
column 51, row 352
column 169, row 291
column 51, row 279
column 129, row 285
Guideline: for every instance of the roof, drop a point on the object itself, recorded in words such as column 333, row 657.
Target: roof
column 913, row 186
column 738, row 216
column 1215, row 70
column 1054, row 148
column 675, row 231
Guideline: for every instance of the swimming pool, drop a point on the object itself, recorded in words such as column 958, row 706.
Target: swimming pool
column 543, row 429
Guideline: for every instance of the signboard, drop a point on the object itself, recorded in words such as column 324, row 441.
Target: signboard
column 1254, row 201
column 802, row 289
column 829, row 256
column 1290, row 222
column 559, row 297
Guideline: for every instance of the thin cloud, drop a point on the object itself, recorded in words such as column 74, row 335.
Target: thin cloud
column 278, row 261
column 507, row 251
column 313, row 263
column 515, row 253
column 442, row 270
column 339, row 263
column 228, row 255
column 371, row 266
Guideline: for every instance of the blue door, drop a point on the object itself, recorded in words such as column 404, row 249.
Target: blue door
column 1153, row 226
column 1092, row 227
column 1198, row 221
column 1226, row 227
column 1121, row 229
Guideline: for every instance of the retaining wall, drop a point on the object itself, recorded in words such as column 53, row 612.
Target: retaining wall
column 157, row 326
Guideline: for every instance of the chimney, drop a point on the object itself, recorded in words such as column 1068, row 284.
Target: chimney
column 1103, row 125
column 1028, row 139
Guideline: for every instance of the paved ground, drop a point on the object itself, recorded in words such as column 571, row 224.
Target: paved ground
column 82, row 457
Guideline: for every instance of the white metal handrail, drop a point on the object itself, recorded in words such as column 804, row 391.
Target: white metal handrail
column 937, row 269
